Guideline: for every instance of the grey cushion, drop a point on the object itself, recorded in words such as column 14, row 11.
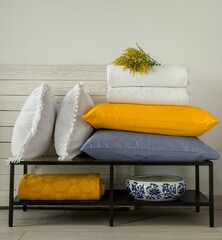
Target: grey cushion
column 122, row 145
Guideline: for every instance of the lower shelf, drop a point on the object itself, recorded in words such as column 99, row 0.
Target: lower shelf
column 122, row 198
column 189, row 198
column 103, row 201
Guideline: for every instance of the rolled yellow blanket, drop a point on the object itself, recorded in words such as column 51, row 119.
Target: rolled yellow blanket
column 61, row 187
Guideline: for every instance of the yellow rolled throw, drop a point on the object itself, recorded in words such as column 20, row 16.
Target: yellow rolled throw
column 61, row 187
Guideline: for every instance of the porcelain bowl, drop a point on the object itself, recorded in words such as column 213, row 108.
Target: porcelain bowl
column 156, row 187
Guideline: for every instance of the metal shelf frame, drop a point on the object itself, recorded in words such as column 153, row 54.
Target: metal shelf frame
column 115, row 198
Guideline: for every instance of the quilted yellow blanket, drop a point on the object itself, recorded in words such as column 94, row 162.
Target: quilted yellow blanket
column 61, row 187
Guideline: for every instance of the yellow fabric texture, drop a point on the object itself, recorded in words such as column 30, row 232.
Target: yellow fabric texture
column 157, row 119
column 61, row 187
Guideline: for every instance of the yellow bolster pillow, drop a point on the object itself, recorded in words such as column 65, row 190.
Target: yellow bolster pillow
column 157, row 119
column 61, row 187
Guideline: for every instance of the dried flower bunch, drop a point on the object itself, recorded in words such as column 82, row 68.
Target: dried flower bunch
column 136, row 60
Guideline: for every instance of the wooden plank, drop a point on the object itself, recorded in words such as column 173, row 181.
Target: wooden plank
column 15, row 103
column 10, row 103
column 59, row 87
column 5, row 134
column 4, row 168
column 4, row 198
column 5, row 150
column 8, row 118
column 4, row 179
column 53, row 72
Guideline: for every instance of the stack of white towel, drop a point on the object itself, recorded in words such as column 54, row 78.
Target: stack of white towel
column 164, row 85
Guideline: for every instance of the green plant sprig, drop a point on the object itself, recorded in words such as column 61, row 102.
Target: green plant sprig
column 137, row 60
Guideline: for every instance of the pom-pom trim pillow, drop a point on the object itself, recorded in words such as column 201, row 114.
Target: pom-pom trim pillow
column 169, row 120
column 33, row 131
column 71, row 131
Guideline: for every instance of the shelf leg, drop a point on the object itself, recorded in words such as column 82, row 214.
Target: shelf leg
column 211, row 195
column 197, row 183
column 111, row 171
column 25, row 170
column 11, row 194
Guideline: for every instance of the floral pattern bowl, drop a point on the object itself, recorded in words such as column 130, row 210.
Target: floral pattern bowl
column 156, row 187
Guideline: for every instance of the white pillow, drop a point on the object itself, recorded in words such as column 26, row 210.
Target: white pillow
column 71, row 131
column 33, row 131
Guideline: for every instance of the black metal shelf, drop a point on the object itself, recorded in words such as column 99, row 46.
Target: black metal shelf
column 115, row 198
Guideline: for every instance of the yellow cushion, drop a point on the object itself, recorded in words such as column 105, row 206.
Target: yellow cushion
column 168, row 120
column 61, row 187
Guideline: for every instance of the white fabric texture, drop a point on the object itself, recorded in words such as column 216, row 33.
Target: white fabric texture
column 71, row 131
column 33, row 131
column 149, row 95
column 160, row 76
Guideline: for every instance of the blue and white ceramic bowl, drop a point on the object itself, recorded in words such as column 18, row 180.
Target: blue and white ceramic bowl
column 156, row 187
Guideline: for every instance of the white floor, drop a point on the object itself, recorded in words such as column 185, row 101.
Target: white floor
column 151, row 223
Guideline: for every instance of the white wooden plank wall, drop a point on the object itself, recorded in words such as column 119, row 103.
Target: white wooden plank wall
column 16, row 83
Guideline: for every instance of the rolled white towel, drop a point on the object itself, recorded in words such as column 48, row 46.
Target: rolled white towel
column 160, row 76
column 149, row 95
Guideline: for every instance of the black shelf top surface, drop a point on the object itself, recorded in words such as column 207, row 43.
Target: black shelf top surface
column 84, row 159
